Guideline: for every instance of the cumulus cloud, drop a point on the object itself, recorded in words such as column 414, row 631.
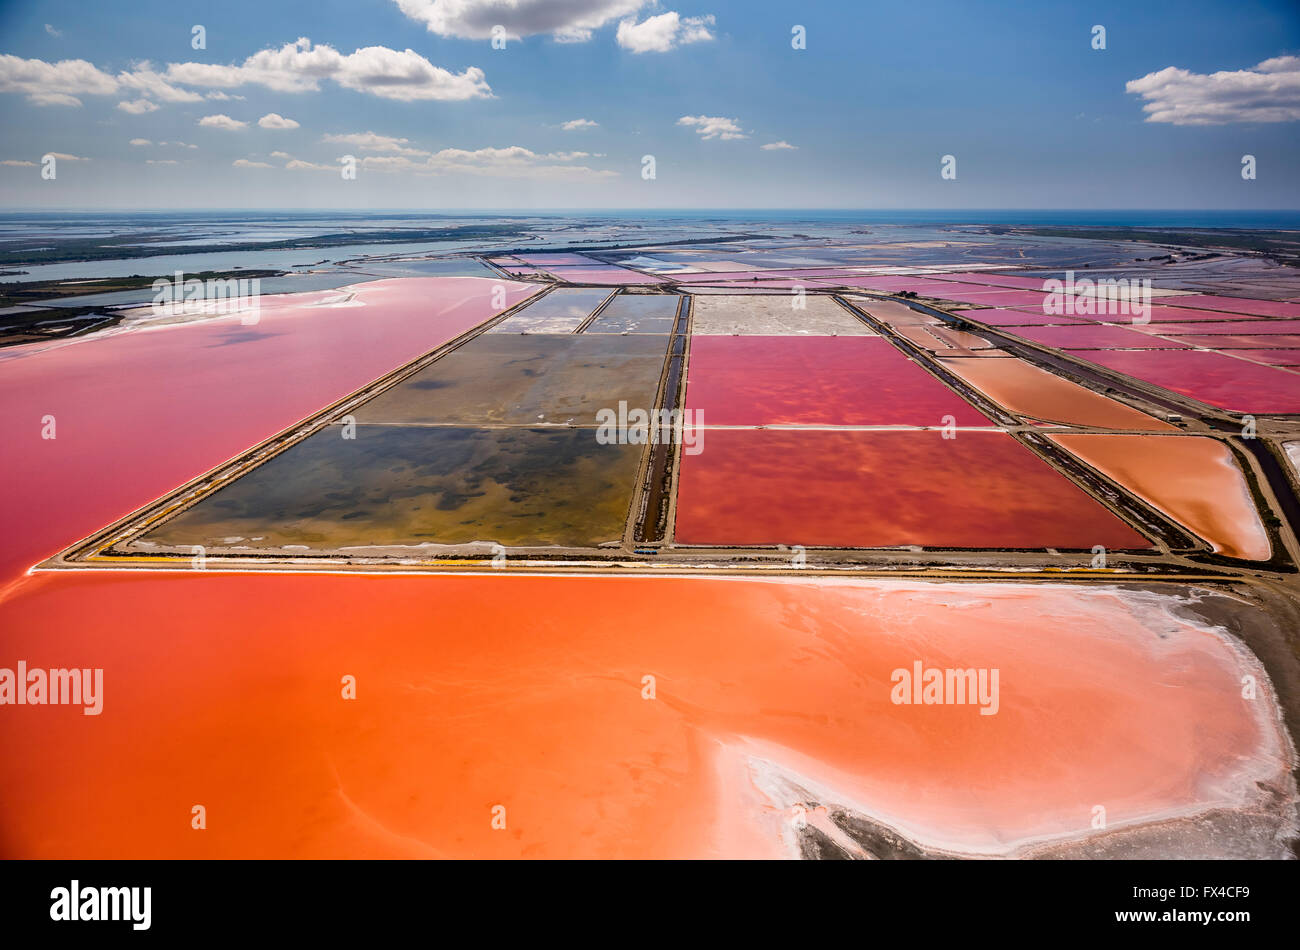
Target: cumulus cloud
column 144, row 79
column 273, row 120
column 295, row 67
column 143, row 142
column 299, row 67
column 138, row 106
column 510, row 162
column 575, row 124
column 161, row 161
column 713, row 126
column 54, row 84
column 222, row 121
column 778, row 146
column 245, row 163
column 659, row 34
column 1268, row 93
column 569, row 21
column 371, row 142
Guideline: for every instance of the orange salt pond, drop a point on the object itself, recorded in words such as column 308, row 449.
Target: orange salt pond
column 530, row 693
column 1192, row 479
column 1024, row 388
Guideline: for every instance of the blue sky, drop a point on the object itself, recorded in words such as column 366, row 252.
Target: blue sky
column 1035, row 117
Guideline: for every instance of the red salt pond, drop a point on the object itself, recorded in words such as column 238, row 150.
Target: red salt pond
column 139, row 413
column 1270, row 357
column 1225, row 341
column 474, row 693
column 767, row 380
column 1229, row 326
column 1017, row 299
column 1026, row 389
column 1192, row 479
column 997, row 317
column 1262, row 308
column 921, row 285
column 1213, row 378
column 1156, row 313
column 981, row 489
column 1095, row 337
column 996, row 280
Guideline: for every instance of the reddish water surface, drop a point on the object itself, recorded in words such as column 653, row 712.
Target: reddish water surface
column 892, row 284
column 1019, row 299
column 884, row 488
column 765, row 380
column 1095, row 337
column 477, row 692
column 1223, row 341
column 998, row 317
column 1194, row 480
column 1156, row 313
column 1262, row 308
column 1024, row 388
column 139, row 413
column 1212, row 378
column 996, row 280
column 1270, row 357
column 1230, row 326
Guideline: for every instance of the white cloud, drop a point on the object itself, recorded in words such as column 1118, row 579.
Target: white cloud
column 1268, row 93
column 54, row 84
column 659, row 34
column 161, row 161
column 713, row 127
column 297, row 164
column 219, row 96
column 65, row 157
column 222, row 122
column 245, row 163
column 511, row 162
column 569, row 21
column 143, row 78
column 18, row 163
column 377, row 70
column 295, row 67
column 778, row 146
column 371, row 142
column 273, row 120
column 138, row 106
column 52, row 31
column 143, row 142
column 574, row 124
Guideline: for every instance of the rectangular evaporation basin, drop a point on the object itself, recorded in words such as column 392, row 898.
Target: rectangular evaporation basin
column 851, row 489
column 774, row 380
column 775, row 315
column 403, row 491
column 637, row 313
column 561, row 311
column 1212, row 378
column 526, row 380
column 1095, row 337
